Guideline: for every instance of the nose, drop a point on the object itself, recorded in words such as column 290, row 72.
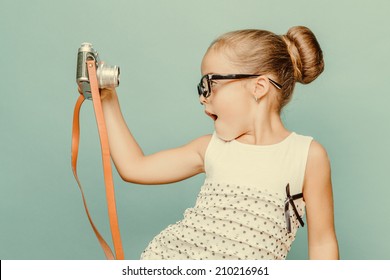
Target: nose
column 202, row 99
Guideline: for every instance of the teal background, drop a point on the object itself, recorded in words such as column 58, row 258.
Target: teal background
column 159, row 46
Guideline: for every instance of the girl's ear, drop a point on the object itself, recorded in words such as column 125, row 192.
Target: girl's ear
column 262, row 87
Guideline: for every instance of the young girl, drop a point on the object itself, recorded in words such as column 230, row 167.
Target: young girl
column 260, row 176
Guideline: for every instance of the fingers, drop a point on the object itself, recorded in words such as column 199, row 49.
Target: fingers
column 104, row 92
column 107, row 93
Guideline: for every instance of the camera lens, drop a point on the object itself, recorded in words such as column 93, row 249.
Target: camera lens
column 108, row 76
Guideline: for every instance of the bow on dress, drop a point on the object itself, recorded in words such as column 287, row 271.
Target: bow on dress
column 290, row 201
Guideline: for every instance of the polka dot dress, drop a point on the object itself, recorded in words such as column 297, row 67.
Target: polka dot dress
column 233, row 220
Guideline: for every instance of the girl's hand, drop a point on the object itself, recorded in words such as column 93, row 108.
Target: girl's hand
column 105, row 93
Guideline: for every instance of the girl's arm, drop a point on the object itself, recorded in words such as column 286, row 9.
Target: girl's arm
column 317, row 193
column 160, row 168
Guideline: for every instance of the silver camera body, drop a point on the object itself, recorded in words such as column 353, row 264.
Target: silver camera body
column 107, row 76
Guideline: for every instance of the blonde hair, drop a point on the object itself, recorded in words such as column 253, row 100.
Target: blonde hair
column 294, row 57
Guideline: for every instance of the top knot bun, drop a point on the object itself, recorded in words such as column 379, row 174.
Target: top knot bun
column 305, row 53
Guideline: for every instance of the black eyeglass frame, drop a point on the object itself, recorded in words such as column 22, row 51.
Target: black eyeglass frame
column 210, row 77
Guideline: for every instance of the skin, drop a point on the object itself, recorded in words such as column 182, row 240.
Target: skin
column 240, row 117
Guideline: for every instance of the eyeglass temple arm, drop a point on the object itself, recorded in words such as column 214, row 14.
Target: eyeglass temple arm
column 277, row 85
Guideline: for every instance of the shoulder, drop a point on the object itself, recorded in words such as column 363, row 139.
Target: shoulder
column 317, row 166
column 202, row 141
column 314, row 151
column 317, row 154
column 200, row 144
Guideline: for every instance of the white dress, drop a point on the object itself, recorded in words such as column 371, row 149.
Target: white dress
column 249, row 207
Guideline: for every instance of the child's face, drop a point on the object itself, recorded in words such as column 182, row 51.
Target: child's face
column 231, row 103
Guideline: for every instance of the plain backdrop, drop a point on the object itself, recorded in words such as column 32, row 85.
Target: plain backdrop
column 159, row 46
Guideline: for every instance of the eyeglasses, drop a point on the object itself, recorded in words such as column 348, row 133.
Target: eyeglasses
column 204, row 87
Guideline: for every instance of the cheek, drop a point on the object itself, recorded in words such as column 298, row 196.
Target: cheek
column 237, row 108
column 234, row 121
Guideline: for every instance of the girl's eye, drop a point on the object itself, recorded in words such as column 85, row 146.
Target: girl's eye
column 212, row 83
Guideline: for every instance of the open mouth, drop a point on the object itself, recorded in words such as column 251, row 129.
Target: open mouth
column 213, row 116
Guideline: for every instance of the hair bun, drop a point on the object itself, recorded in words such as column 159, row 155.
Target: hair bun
column 305, row 53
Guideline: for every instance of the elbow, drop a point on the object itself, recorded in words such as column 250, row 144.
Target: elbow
column 136, row 177
column 130, row 177
column 125, row 177
column 130, row 173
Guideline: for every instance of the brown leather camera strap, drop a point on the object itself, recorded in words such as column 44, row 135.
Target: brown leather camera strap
column 110, row 193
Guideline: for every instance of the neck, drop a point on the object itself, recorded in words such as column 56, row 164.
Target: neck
column 266, row 127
